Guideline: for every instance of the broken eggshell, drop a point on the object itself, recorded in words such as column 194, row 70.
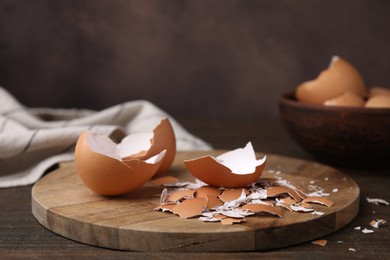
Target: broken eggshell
column 144, row 145
column 338, row 78
column 234, row 169
column 113, row 169
column 348, row 99
column 101, row 169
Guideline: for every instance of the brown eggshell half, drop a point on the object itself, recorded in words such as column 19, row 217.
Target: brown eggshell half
column 109, row 176
column 348, row 99
column 339, row 78
column 163, row 139
column 209, row 170
column 378, row 91
column 378, row 101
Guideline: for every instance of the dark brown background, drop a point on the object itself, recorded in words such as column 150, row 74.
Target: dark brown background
column 213, row 59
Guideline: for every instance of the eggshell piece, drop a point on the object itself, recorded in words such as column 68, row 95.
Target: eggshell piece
column 349, row 99
column 378, row 91
column 235, row 169
column 338, row 78
column 257, row 208
column 287, row 201
column 106, row 174
column 320, row 242
column 213, row 202
column 231, row 221
column 276, row 191
column 320, row 200
column 163, row 138
column 379, row 101
column 181, row 194
column 190, row 208
column 205, row 191
column 161, row 181
column 230, row 195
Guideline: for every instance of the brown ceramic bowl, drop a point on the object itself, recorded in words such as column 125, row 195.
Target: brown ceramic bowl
column 340, row 136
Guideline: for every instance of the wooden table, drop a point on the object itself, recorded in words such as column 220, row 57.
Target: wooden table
column 21, row 236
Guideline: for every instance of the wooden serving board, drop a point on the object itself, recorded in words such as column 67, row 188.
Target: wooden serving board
column 64, row 205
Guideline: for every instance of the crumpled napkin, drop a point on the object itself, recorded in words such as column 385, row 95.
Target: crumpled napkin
column 34, row 139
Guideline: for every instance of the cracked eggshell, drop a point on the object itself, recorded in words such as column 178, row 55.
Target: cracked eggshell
column 338, row 78
column 348, row 99
column 102, row 170
column 378, row 91
column 162, row 138
column 378, row 101
column 234, row 169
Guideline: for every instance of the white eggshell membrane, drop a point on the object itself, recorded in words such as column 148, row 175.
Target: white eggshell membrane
column 130, row 145
column 241, row 160
column 134, row 143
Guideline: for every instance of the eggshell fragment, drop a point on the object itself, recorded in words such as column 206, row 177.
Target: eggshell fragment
column 338, row 78
column 190, row 207
column 231, row 221
column 166, row 207
column 320, row 200
column 205, row 191
column 180, row 194
column 160, row 181
column 376, row 223
column 230, row 195
column 275, row 191
column 103, row 171
column 235, row 169
column 378, row 101
column 377, row 201
column 263, row 208
column 320, row 242
column 162, row 138
column 349, row 99
column 213, row 202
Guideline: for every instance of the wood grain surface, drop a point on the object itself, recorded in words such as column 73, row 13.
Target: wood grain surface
column 62, row 203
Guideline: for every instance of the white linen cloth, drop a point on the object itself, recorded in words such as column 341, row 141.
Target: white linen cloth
column 34, row 139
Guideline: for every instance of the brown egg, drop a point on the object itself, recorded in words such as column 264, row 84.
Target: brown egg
column 234, row 169
column 349, row 99
column 101, row 168
column 378, row 101
column 378, row 91
column 339, row 78
column 163, row 138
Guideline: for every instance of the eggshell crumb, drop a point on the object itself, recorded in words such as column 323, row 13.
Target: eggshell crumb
column 376, row 223
column 367, row 231
column 377, row 201
column 320, row 242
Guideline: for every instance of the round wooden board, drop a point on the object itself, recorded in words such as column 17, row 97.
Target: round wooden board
column 64, row 205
